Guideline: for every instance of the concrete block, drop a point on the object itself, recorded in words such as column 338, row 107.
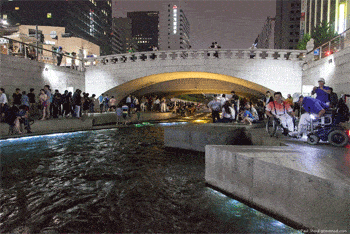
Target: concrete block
column 276, row 180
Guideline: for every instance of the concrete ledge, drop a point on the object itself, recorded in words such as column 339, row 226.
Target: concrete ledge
column 281, row 181
column 96, row 121
column 196, row 137
column 111, row 118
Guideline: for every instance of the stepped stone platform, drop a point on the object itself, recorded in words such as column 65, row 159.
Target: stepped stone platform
column 284, row 182
column 287, row 182
column 196, row 137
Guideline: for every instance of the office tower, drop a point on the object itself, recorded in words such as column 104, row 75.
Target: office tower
column 287, row 24
column 144, row 28
column 122, row 37
column 174, row 28
column 87, row 19
column 314, row 12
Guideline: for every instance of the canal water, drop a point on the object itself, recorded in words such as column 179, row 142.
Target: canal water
column 116, row 180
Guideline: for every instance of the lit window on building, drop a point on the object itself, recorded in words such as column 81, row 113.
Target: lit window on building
column 49, row 15
column 16, row 8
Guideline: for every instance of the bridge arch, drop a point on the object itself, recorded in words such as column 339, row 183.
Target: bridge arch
column 255, row 71
column 175, row 83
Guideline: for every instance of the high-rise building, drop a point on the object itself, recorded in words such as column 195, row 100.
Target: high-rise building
column 314, row 12
column 145, row 28
column 287, row 24
column 174, row 28
column 87, row 19
column 265, row 39
column 122, row 38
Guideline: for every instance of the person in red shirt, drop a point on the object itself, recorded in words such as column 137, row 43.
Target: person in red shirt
column 281, row 110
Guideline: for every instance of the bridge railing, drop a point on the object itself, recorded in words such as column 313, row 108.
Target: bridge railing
column 213, row 54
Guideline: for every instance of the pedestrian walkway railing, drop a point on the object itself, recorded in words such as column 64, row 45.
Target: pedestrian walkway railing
column 337, row 44
column 214, row 54
column 40, row 54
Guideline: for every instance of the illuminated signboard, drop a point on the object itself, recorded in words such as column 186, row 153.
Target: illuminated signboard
column 174, row 19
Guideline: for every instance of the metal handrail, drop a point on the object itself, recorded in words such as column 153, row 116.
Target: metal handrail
column 329, row 44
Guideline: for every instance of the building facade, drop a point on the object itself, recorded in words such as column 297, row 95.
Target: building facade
column 287, row 24
column 70, row 45
column 122, row 36
column 90, row 19
column 266, row 37
column 144, row 28
column 174, row 28
column 334, row 12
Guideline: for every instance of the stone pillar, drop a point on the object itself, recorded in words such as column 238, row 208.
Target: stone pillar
column 270, row 55
column 294, row 56
column 258, row 54
column 246, row 54
column 282, row 55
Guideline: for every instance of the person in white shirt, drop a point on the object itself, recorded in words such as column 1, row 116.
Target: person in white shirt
column 3, row 103
column 228, row 113
column 163, row 105
column 223, row 99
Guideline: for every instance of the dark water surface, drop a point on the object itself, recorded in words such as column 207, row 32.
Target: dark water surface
column 118, row 180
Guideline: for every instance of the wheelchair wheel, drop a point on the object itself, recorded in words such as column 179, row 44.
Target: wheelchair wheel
column 271, row 126
column 313, row 139
column 338, row 138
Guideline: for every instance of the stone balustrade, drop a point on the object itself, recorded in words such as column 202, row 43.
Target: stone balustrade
column 214, row 54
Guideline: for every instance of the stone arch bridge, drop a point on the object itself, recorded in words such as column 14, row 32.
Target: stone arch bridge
column 248, row 72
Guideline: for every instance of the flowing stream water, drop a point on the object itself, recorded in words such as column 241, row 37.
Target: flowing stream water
column 116, row 180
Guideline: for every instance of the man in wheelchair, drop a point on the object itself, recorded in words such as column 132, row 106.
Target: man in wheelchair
column 282, row 112
column 315, row 109
column 322, row 123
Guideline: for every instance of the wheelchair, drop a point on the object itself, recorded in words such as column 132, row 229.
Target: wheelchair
column 274, row 127
column 327, row 128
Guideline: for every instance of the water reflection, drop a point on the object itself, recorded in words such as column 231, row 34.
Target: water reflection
column 120, row 180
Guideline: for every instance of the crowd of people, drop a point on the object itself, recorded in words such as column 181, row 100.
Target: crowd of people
column 286, row 111
column 234, row 109
column 45, row 105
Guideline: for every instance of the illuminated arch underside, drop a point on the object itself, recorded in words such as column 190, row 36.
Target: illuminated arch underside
column 185, row 83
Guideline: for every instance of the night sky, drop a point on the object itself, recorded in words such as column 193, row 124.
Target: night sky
column 233, row 24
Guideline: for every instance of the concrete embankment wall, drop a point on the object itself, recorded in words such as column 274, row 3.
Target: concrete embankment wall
column 196, row 137
column 16, row 72
column 96, row 121
column 277, row 180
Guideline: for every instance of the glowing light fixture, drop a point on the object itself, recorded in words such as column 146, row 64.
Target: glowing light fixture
column 341, row 18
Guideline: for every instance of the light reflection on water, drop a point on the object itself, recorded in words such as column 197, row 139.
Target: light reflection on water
column 119, row 180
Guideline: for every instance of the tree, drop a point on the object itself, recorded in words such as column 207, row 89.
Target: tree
column 321, row 34
column 302, row 43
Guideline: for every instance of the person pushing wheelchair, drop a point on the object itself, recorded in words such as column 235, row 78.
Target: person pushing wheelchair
column 282, row 111
column 311, row 106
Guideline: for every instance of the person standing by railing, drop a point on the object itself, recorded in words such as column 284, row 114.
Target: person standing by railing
column 59, row 56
